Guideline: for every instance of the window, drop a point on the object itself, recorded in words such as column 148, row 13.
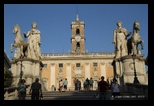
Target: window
column 45, row 66
column 94, row 64
column 78, row 46
column 77, row 64
column 77, row 32
column 60, row 65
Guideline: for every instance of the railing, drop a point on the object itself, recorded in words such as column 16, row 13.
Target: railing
column 11, row 93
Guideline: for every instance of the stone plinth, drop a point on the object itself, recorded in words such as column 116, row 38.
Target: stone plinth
column 29, row 68
column 128, row 69
column 124, row 69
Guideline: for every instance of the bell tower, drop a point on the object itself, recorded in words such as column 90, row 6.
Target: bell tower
column 78, row 39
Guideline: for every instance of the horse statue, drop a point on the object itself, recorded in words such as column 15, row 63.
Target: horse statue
column 19, row 43
column 135, row 40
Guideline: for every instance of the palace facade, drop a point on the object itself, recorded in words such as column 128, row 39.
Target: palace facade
column 77, row 64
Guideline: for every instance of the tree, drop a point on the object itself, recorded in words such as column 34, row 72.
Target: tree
column 8, row 76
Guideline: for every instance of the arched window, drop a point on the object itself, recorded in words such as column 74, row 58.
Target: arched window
column 78, row 46
column 77, row 32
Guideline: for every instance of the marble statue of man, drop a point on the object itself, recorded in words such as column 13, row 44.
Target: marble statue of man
column 120, row 40
column 34, row 42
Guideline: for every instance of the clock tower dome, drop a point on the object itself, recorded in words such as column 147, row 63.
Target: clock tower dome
column 78, row 39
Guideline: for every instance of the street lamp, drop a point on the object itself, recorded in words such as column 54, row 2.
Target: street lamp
column 136, row 81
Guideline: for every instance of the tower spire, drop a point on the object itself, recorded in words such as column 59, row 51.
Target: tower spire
column 77, row 17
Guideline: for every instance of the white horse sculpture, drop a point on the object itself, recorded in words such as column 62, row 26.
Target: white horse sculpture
column 19, row 43
column 135, row 40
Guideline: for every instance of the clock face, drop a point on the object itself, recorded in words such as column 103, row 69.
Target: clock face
column 78, row 38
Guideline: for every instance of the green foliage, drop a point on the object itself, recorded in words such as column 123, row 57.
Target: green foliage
column 7, row 78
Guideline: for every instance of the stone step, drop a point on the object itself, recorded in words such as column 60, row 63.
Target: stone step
column 65, row 98
column 67, row 95
column 81, row 95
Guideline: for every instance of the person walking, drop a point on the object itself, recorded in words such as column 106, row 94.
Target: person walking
column 97, row 91
column 36, row 90
column 115, row 87
column 102, row 88
column 75, row 84
column 22, row 90
column 108, row 83
column 65, row 84
column 79, row 85
column 61, row 85
column 91, row 83
column 87, row 84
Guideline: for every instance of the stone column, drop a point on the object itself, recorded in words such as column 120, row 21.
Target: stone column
column 52, row 75
column 87, row 69
column 103, row 70
column 68, row 74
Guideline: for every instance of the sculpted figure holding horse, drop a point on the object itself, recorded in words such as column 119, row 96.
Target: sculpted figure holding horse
column 34, row 42
column 19, row 43
column 120, row 40
column 135, row 40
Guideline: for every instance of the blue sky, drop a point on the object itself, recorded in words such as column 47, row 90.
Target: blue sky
column 54, row 22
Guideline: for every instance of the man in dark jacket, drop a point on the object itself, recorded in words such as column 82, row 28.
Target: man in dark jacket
column 36, row 90
column 102, row 88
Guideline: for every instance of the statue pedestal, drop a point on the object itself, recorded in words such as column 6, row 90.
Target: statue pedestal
column 126, row 67
column 27, row 69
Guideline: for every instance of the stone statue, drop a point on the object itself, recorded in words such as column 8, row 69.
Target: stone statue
column 20, row 45
column 34, row 42
column 135, row 40
column 120, row 40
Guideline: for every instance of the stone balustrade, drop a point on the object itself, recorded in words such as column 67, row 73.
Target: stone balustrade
column 11, row 93
column 74, row 54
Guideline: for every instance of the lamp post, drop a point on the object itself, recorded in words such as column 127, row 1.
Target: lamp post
column 136, row 81
column 21, row 69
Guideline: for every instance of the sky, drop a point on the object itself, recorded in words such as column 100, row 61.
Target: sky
column 54, row 23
